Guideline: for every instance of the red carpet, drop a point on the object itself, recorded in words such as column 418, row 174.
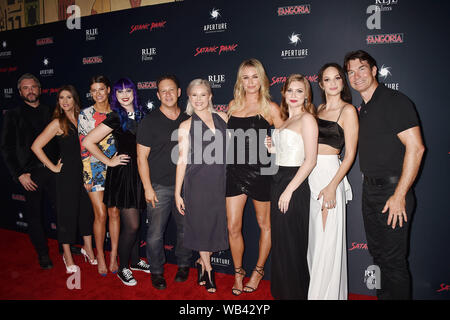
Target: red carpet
column 23, row 279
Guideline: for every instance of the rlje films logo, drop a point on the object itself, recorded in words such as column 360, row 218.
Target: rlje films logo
column 91, row 34
column 5, row 54
column 215, row 27
column 148, row 54
column 294, row 39
column 216, row 80
column 8, row 93
column 46, row 72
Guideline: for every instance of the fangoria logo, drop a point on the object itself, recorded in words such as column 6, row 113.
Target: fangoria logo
column 385, row 38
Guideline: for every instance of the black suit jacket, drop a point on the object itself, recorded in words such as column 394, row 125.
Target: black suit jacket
column 17, row 136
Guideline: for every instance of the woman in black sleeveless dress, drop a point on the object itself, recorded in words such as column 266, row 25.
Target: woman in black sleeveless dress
column 251, row 113
column 201, row 166
column 74, row 210
column 123, row 187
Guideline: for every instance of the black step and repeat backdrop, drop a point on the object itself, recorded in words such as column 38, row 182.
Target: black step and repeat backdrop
column 209, row 39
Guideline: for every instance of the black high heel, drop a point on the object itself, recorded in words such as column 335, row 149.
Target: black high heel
column 210, row 281
column 236, row 291
column 200, row 274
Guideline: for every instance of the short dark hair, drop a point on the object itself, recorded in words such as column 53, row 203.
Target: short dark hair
column 27, row 76
column 362, row 56
column 168, row 77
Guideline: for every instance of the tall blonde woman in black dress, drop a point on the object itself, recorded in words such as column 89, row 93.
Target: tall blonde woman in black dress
column 252, row 111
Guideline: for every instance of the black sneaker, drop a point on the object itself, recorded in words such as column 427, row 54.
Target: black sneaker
column 45, row 262
column 158, row 281
column 127, row 277
column 182, row 274
column 141, row 266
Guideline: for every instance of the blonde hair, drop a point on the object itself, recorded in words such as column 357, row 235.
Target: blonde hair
column 239, row 92
column 198, row 82
column 308, row 106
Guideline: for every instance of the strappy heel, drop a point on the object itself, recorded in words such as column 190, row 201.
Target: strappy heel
column 260, row 271
column 236, row 291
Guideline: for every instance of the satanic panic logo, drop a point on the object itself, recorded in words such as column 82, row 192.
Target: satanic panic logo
column 216, row 49
column 147, row 26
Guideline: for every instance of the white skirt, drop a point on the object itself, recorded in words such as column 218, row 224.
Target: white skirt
column 327, row 253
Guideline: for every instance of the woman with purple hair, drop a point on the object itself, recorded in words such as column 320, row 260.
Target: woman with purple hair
column 123, row 187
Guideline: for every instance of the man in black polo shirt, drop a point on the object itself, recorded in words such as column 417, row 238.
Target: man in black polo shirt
column 390, row 153
column 21, row 126
column 155, row 145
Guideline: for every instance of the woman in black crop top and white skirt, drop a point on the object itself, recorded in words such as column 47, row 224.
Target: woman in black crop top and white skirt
column 338, row 126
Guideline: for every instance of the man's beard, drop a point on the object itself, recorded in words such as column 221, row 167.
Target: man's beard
column 25, row 98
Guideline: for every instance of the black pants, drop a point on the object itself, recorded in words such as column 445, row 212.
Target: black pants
column 34, row 213
column 388, row 247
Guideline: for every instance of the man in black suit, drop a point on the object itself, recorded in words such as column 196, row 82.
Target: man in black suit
column 21, row 126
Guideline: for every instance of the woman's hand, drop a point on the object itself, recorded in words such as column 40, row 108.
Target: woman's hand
column 118, row 160
column 283, row 202
column 179, row 203
column 329, row 197
column 88, row 187
column 268, row 144
column 58, row 167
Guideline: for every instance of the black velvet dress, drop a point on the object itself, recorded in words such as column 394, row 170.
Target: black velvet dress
column 123, row 186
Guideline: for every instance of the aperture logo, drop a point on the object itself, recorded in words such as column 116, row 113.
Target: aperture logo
column 294, row 39
column 148, row 54
column 216, row 49
column 384, row 73
column 93, row 60
column 216, row 80
column 215, row 27
column 144, row 85
column 91, row 34
column 46, row 72
column 44, row 41
column 391, row 38
column 280, row 80
column 294, row 10
column 5, row 54
column 147, row 26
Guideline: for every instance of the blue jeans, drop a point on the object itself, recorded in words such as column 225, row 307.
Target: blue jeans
column 158, row 218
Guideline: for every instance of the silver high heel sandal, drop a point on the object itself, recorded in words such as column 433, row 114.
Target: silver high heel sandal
column 70, row 269
column 87, row 258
